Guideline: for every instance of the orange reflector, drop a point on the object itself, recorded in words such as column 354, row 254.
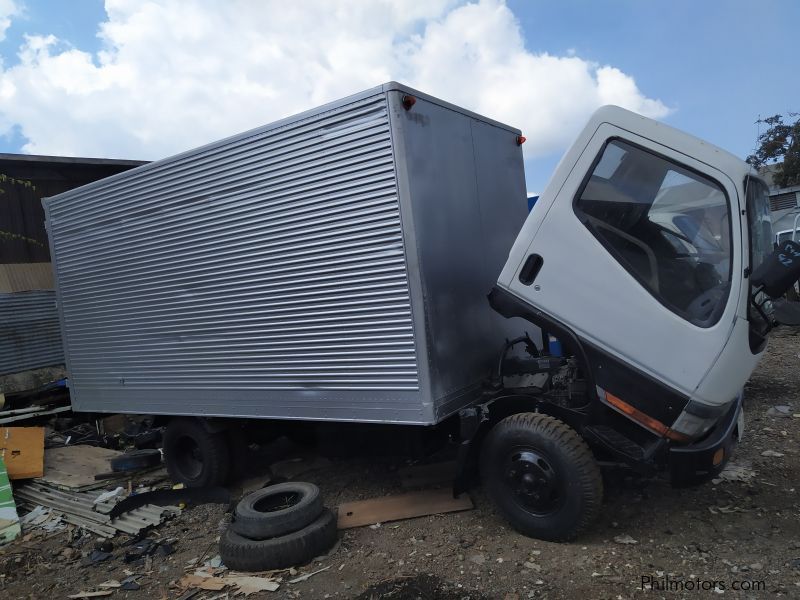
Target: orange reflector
column 718, row 456
column 521, row 140
column 647, row 421
column 408, row 101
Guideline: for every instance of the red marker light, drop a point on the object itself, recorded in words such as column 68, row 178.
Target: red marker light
column 408, row 102
column 521, row 140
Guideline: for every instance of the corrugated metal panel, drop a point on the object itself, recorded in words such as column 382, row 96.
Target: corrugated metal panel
column 272, row 261
column 29, row 332
column 783, row 201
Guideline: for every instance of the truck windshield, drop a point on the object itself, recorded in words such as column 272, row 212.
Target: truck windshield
column 759, row 220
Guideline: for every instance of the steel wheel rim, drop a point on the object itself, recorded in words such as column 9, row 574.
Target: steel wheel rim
column 533, row 480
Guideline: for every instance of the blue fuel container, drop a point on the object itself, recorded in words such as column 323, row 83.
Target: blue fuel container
column 555, row 346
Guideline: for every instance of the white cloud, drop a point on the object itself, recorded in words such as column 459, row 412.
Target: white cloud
column 8, row 9
column 176, row 74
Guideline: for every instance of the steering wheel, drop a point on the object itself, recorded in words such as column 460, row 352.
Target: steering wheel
column 703, row 307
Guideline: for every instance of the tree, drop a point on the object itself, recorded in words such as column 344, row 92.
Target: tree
column 780, row 144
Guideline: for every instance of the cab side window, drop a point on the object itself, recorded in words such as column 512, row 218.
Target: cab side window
column 667, row 225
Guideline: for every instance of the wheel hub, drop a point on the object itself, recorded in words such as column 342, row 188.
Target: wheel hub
column 533, row 480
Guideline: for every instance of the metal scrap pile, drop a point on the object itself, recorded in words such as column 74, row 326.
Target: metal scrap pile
column 90, row 510
column 34, row 405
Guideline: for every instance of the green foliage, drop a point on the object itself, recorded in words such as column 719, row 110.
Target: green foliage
column 780, row 144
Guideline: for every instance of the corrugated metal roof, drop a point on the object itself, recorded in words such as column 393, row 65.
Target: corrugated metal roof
column 29, row 331
column 67, row 160
column 82, row 509
column 784, row 201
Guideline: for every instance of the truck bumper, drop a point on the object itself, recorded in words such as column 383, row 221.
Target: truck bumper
column 704, row 460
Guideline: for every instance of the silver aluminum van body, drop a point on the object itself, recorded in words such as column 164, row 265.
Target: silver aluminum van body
column 333, row 265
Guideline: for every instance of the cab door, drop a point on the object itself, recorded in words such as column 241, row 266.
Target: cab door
column 635, row 247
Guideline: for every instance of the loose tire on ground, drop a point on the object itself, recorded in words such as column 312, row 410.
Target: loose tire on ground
column 241, row 554
column 541, row 476
column 193, row 455
column 277, row 510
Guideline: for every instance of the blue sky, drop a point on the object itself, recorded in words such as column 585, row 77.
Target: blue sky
column 716, row 66
column 73, row 20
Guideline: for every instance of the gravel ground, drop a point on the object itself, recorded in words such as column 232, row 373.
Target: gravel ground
column 733, row 534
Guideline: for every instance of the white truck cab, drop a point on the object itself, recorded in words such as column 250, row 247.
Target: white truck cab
column 654, row 273
column 640, row 258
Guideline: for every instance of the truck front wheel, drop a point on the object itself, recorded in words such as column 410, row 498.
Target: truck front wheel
column 541, row 476
column 195, row 456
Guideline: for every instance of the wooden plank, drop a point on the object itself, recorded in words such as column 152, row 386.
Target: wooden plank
column 404, row 506
column 22, row 449
column 212, row 584
column 74, row 467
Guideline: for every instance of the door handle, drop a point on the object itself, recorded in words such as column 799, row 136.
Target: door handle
column 530, row 269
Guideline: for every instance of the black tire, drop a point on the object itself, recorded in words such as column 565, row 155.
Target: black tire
column 298, row 548
column 541, row 476
column 135, row 460
column 194, row 456
column 277, row 510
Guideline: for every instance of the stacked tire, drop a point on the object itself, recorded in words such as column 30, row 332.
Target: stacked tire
column 281, row 526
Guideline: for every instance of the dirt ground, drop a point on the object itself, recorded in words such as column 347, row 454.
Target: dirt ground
column 740, row 537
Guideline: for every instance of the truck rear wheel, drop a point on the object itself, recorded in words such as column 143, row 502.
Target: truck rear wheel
column 195, row 456
column 541, row 476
